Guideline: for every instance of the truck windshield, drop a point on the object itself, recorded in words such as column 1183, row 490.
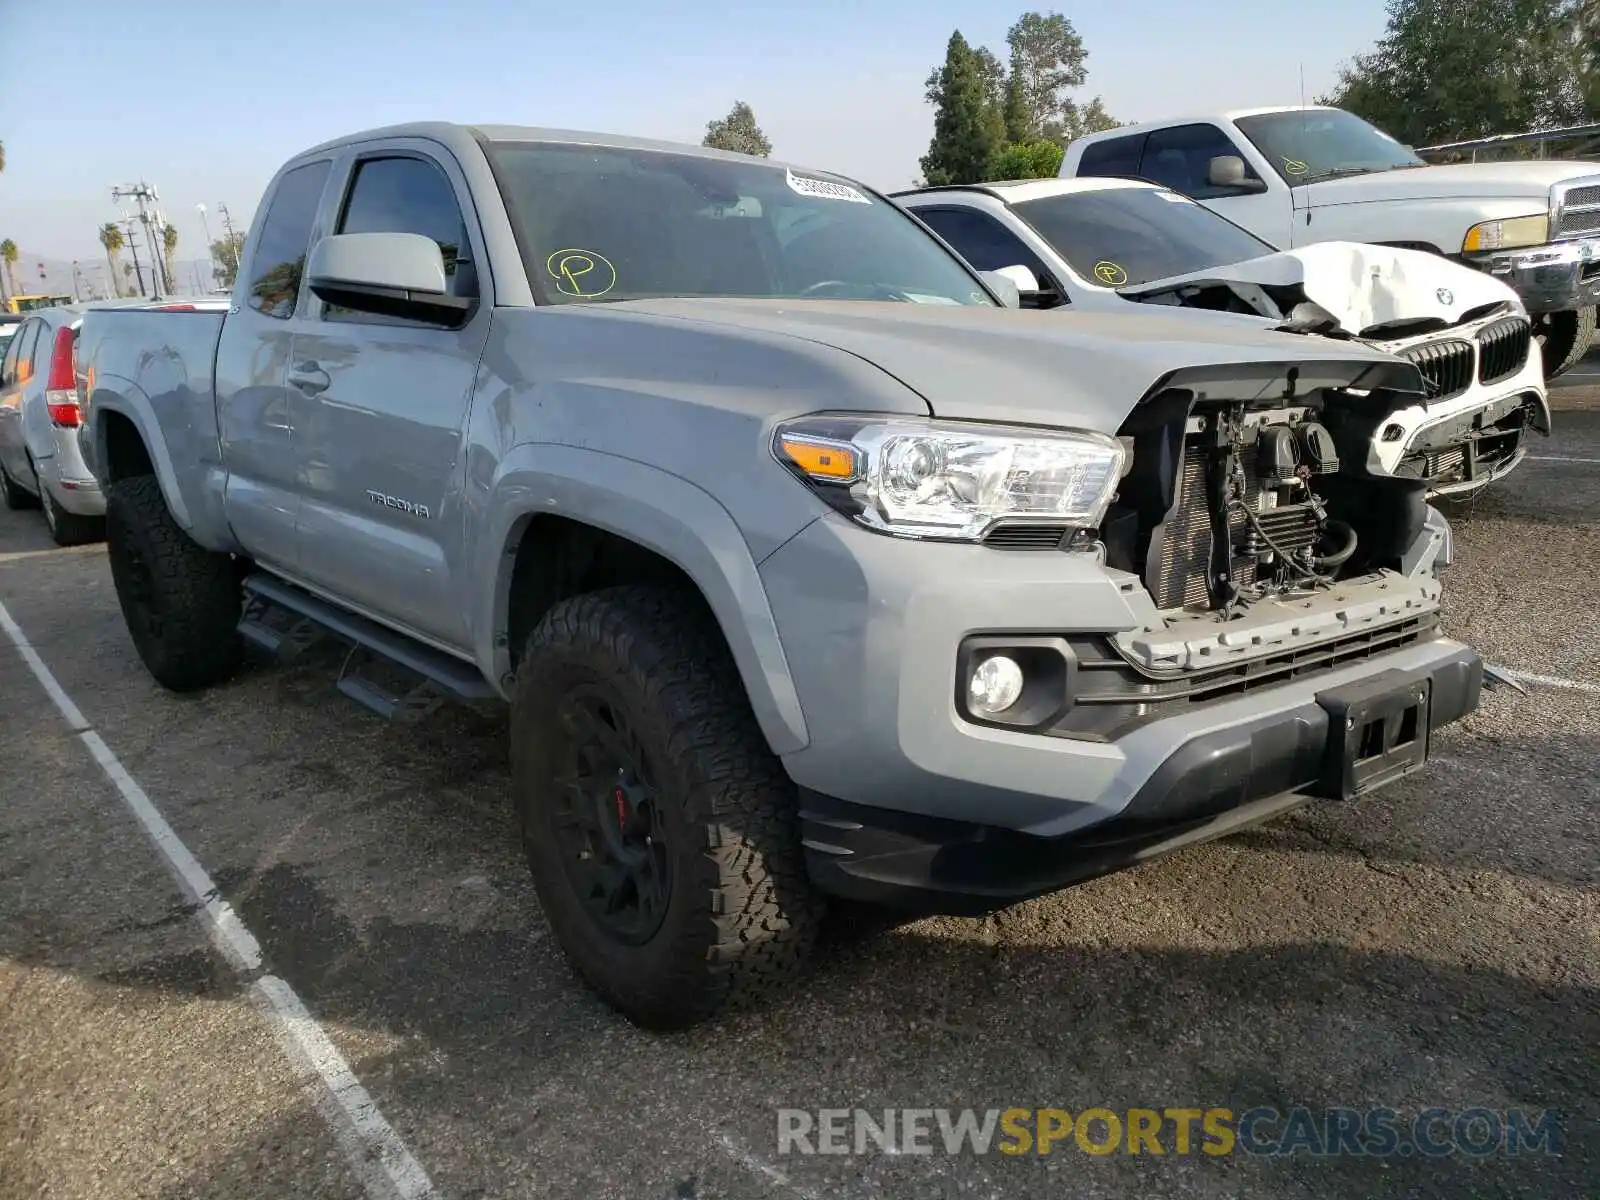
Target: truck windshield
column 599, row 223
column 1126, row 235
column 1305, row 145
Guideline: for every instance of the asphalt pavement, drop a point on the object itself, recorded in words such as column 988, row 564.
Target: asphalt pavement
column 1435, row 945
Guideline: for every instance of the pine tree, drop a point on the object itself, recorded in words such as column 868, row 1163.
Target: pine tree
column 968, row 129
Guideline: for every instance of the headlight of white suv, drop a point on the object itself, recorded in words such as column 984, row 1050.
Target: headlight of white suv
column 948, row 479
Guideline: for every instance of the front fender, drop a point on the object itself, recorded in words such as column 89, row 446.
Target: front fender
column 666, row 514
column 195, row 506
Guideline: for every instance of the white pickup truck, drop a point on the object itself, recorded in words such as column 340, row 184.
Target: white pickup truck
column 1294, row 176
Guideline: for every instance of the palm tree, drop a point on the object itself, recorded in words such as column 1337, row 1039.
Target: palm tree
column 169, row 244
column 2, row 158
column 8, row 255
column 111, row 238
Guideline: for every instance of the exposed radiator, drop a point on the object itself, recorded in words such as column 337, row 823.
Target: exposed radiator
column 1183, row 560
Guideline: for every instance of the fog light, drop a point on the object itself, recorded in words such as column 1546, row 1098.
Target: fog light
column 995, row 685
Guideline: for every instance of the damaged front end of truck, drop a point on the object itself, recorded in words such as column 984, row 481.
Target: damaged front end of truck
column 1483, row 385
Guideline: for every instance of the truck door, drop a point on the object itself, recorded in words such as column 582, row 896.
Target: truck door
column 1180, row 158
column 255, row 409
column 383, row 405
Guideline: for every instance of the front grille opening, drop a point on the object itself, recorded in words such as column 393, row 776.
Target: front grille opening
column 1021, row 536
column 1481, row 452
column 1503, row 349
column 1447, row 367
column 1112, row 696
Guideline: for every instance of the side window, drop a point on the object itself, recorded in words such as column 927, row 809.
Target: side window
column 409, row 195
column 1180, row 158
column 8, row 367
column 26, row 338
column 280, row 253
column 1114, row 156
column 983, row 241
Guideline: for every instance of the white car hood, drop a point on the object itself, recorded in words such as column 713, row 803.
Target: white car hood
column 1360, row 286
column 1484, row 181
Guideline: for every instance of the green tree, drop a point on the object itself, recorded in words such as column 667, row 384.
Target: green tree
column 8, row 255
column 1026, row 103
column 738, row 132
column 2, row 158
column 1047, row 59
column 1037, row 159
column 1018, row 120
column 1450, row 70
column 169, row 247
column 226, row 253
column 113, row 241
column 968, row 129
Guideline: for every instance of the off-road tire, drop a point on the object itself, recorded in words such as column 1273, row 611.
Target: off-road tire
column 1565, row 337
column 67, row 528
column 181, row 602
column 15, row 496
column 741, row 916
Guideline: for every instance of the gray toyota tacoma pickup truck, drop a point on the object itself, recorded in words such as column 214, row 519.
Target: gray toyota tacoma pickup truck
column 806, row 567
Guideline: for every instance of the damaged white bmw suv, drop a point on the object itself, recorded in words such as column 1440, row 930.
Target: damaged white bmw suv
column 1103, row 244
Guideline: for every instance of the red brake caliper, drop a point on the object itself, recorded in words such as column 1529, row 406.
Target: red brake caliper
column 621, row 800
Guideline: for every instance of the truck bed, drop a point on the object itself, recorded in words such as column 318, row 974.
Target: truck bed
column 156, row 369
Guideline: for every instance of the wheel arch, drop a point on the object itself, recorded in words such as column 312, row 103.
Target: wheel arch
column 561, row 520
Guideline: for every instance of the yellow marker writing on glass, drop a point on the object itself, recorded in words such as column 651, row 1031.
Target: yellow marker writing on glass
column 1110, row 274
column 581, row 273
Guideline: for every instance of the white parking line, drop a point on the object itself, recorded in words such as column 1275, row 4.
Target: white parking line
column 1562, row 458
column 377, row 1155
column 1552, row 681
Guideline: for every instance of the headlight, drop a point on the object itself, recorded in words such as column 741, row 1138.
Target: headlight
column 947, row 479
column 1510, row 234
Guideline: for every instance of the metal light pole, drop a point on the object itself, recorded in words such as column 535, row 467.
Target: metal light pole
column 143, row 194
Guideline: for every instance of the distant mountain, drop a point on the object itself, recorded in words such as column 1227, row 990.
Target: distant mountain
column 37, row 273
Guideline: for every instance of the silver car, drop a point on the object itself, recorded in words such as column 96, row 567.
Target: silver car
column 40, row 463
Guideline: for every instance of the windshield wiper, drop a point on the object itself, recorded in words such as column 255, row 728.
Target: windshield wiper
column 1338, row 173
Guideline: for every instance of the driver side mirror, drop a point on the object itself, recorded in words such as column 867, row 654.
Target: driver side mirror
column 1032, row 292
column 386, row 274
column 1228, row 171
column 1004, row 286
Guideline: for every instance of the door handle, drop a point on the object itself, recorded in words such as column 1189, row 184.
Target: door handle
column 309, row 378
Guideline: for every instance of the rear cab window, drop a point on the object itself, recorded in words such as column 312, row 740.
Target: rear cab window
column 279, row 261
column 1118, row 156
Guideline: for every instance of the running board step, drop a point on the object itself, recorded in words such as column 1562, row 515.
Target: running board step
column 280, row 632
column 444, row 672
column 395, row 694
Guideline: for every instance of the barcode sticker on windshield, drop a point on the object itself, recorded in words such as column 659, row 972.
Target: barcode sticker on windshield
column 824, row 189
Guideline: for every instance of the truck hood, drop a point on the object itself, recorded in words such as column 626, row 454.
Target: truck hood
column 1363, row 287
column 1497, row 181
column 1083, row 370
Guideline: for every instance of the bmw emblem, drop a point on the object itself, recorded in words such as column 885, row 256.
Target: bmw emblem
column 1446, row 297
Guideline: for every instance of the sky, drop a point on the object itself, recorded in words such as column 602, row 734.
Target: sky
column 204, row 99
